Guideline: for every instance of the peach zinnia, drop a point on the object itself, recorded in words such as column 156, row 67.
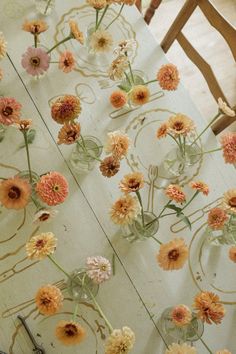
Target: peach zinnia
column 208, row 306
column 217, row 218
column 139, row 95
column 162, row 131
column 109, row 167
column 168, row 77
column 69, row 133
column 15, row 193
column 180, row 125
column 181, row 315
column 66, row 61
column 228, row 143
column 174, row 192
column 10, row 110
column 75, row 32
column 65, row 108
column 35, row 27
column 70, row 332
column 118, row 99
column 41, row 246
column 232, row 254
column 132, row 182
column 49, row 300
column 200, row 187
column 117, row 144
column 125, row 210
column 173, row 255
column 52, row 188
column 229, row 201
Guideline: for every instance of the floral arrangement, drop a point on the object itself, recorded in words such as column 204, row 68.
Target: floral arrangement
column 36, row 60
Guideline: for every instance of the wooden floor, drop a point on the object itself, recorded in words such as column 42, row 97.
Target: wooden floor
column 209, row 43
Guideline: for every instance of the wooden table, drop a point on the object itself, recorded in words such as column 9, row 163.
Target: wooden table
column 140, row 290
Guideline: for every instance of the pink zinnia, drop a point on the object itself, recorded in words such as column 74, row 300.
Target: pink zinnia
column 10, row 110
column 200, row 187
column 35, row 61
column 66, row 62
column 228, row 143
column 52, row 188
column 99, row 269
column 174, row 192
column 181, row 315
column 217, row 218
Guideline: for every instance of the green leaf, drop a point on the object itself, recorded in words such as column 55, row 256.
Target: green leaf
column 125, row 88
column 30, row 138
column 174, row 207
column 186, row 220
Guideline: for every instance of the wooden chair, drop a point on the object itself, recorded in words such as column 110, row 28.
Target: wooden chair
column 223, row 27
column 153, row 6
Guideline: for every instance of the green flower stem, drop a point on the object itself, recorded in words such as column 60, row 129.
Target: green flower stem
column 208, row 125
column 59, row 43
column 3, row 178
column 59, row 267
column 149, row 82
column 75, row 312
column 54, row 62
column 127, row 78
column 141, row 205
column 181, row 146
column 206, row 152
column 159, row 216
column 114, row 19
column 28, row 156
column 47, row 6
column 86, row 150
column 101, row 18
column 167, row 214
column 131, row 72
column 35, row 40
column 191, row 199
column 97, row 13
column 99, row 309
column 174, row 140
column 154, row 238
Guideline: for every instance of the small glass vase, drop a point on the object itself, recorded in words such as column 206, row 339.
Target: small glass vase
column 138, row 78
column 177, row 163
column 3, row 129
column 226, row 236
column 188, row 333
column 136, row 231
column 85, row 154
column 45, row 7
column 80, row 285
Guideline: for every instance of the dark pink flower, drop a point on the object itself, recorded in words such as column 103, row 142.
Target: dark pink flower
column 10, row 110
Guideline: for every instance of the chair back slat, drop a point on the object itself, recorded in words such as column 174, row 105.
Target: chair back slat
column 220, row 24
column 154, row 4
column 222, row 123
column 202, row 65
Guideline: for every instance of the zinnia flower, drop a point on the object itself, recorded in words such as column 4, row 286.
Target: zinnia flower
column 173, row 255
column 99, row 269
column 200, row 186
column 75, row 32
column 52, row 188
column 180, row 125
column 118, row 99
column 24, row 124
column 3, row 46
column 49, row 300
column 228, row 144
column 15, row 193
column 117, row 68
column 101, row 41
column 65, row 108
column 69, row 133
column 175, row 348
column 35, row 61
column 41, row 246
column 181, row 315
column 162, row 131
column 67, row 61
column 232, row 253
column 217, row 218
column 121, row 341
column 70, row 332
column 224, row 351
column 168, row 77
column 126, row 47
column 132, row 182
column 97, row 4
column 125, row 210
column 208, row 306
column 117, row 144
column 229, row 201
column 224, row 108
column 139, row 95
column 10, row 110
column 174, row 192
column 44, row 215
column 35, row 27
column 109, row 166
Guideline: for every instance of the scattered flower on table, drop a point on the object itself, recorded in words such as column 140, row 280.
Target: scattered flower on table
column 117, row 144
column 35, row 61
column 200, row 186
column 174, row 192
column 132, row 182
column 10, row 110
column 3, row 46
column 168, row 77
column 15, row 193
column 172, row 255
column 109, row 166
column 69, row 133
column 67, row 61
column 125, row 210
column 175, row 348
column 52, row 188
column 139, row 95
column 101, row 41
column 232, row 254
column 70, row 332
column 44, row 215
column 208, row 307
column 228, row 145
column 49, row 300
column 225, row 109
column 181, row 315
column 65, row 108
column 217, row 218
column 41, row 246
column 229, row 201
column 118, row 99
column 98, row 269
column 121, row 341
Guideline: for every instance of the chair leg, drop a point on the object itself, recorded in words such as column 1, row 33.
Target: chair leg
column 138, row 4
column 151, row 10
column 222, row 124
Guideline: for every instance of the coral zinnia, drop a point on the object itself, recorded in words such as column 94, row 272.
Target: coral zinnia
column 217, row 218
column 52, row 188
column 48, row 299
column 232, row 253
column 125, row 210
column 208, row 306
column 70, row 332
column 41, row 246
column 175, row 348
column 118, row 99
column 139, row 95
column 228, row 143
column 10, row 110
column 66, row 61
column 229, row 201
column 15, row 193
column 168, row 77
column 173, row 255
column 181, row 315
column 162, row 131
column 121, row 341
column 132, row 182
column 200, row 186
column 69, row 133
column 65, row 108
column 174, row 192
column 35, row 61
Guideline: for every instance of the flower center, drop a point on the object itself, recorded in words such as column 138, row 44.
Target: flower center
column 67, row 62
column 102, row 42
column 178, row 126
column 35, row 61
column 173, row 255
column 232, row 202
column 71, row 134
column 40, row 244
column 44, row 217
column 56, row 188
column 141, row 96
column 7, row 111
column 70, row 330
column 14, row 193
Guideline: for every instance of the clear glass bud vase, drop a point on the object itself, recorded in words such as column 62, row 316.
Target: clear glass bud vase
column 139, row 232
column 226, row 236
column 45, row 7
column 80, row 286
